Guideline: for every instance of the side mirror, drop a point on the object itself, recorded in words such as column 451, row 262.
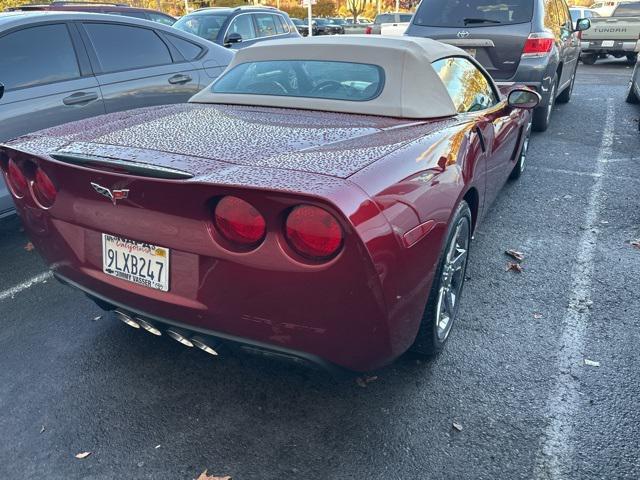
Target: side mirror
column 583, row 24
column 1, row 90
column 523, row 98
column 232, row 38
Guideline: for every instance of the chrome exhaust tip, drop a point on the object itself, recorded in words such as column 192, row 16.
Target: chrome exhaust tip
column 123, row 317
column 203, row 346
column 148, row 327
column 179, row 338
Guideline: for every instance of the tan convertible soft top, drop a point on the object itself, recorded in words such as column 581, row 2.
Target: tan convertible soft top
column 412, row 88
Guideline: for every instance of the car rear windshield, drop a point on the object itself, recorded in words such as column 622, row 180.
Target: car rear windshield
column 473, row 13
column 205, row 26
column 355, row 82
column 628, row 10
column 391, row 18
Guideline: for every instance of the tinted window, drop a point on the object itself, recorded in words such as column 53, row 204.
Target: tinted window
column 469, row 88
column 266, row 25
column 205, row 26
column 188, row 50
column 627, row 10
column 300, row 78
column 120, row 47
column 281, row 26
column 37, row 55
column 478, row 13
column 384, row 18
column 405, row 17
column 159, row 18
column 243, row 24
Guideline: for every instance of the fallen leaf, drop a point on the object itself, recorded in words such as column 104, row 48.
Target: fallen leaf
column 83, row 455
column 205, row 476
column 97, row 318
column 157, row 447
column 457, row 426
column 29, row 246
column 42, row 429
column 363, row 381
column 537, row 316
column 591, row 363
column 635, row 244
column 515, row 254
column 516, row 267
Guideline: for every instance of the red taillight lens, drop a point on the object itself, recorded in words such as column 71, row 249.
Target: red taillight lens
column 44, row 189
column 538, row 45
column 368, row 30
column 313, row 232
column 17, row 181
column 239, row 222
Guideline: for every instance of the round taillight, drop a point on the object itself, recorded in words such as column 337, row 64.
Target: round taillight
column 239, row 222
column 17, row 181
column 313, row 232
column 43, row 188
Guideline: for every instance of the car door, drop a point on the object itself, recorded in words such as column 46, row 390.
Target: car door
column 475, row 97
column 136, row 68
column 47, row 80
column 570, row 44
column 244, row 26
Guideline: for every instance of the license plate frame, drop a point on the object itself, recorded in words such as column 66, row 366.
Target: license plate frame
column 136, row 262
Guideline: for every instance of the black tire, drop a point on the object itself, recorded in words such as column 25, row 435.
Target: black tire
column 565, row 96
column 632, row 58
column 542, row 114
column 519, row 167
column 589, row 58
column 430, row 340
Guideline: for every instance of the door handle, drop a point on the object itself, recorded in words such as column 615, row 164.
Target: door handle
column 177, row 79
column 80, row 98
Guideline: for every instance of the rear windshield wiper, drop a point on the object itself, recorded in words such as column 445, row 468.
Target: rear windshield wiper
column 467, row 21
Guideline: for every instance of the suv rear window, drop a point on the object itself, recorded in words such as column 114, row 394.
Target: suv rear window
column 473, row 13
column 354, row 82
column 627, row 10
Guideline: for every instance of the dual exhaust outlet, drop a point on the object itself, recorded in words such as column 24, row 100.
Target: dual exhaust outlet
column 137, row 322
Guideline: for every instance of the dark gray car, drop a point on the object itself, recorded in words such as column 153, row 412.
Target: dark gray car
column 532, row 42
column 60, row 67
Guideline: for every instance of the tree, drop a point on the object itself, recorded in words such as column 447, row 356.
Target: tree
column 356, row 7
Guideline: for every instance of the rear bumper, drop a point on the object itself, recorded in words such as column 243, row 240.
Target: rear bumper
column 596, row 46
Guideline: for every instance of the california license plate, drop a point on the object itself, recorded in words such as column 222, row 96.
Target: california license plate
column 608, row 43
column 136, row 262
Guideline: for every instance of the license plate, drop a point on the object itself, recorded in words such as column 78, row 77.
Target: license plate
column 470, row 51
column 136, row 262
column 608, row 43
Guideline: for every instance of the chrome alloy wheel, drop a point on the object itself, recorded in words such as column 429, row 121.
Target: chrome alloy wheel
column 525, row 148
column 452, row 279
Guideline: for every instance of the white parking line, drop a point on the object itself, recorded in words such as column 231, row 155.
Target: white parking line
column 9, row 293
column 557, row 446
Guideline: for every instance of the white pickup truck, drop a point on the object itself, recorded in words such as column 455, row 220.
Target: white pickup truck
column 617, row 35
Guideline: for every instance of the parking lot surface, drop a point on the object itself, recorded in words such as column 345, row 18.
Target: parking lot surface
column 510, row 397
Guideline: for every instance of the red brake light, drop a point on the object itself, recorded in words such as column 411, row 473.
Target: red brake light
column 239, row 222
column 17, row 180
column 313, row 232
column 368, row 30
column 44, row 189
column 538, row 45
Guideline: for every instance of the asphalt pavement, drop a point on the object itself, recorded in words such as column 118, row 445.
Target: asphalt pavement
column 510, row 397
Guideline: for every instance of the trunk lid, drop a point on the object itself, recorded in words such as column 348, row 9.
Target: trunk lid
column 613, row 28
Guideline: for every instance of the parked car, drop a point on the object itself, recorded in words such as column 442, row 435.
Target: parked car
column 605, row 9
column 356, row 28
column 394, row 17
column 532, row 42
column 238, row 27
column 57, row 67
column 303, row 27
column 99, row 7
column 316, row 202
column 616, row 35
column 327, row 27
column 633, row 94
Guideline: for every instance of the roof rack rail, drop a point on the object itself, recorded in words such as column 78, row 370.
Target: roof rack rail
column 246, row 7
column 83, row 2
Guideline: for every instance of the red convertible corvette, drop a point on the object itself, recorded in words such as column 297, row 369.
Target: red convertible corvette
column 316, row 202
